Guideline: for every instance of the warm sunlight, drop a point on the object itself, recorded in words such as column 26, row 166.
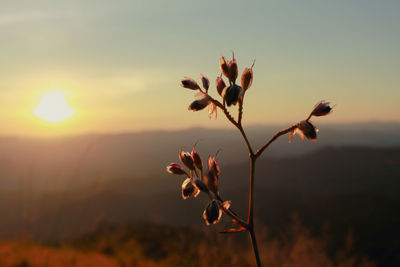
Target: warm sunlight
column 53, row 107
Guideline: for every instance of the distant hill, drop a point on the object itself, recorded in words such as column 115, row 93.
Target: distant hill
column 51, row 164
column 341, row 189
column 347, row 181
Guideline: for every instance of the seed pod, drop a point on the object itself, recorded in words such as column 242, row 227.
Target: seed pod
column 233, row 70
column 198, row 162
column 190, row 84
column 220, row 84
column 308, row 130
column 322, row 108
column 211, row 181
column 212, row 214
column 200, row 185
column 202, row 102
column 247, row 78
column 197, row 105
column 189, row 189
column 213, row 165
column 186, row 159
column 232, row 94
column 205, row 82
column 224, row 66
column 174, row 168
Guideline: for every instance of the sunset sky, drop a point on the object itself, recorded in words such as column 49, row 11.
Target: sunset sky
column 118, row 63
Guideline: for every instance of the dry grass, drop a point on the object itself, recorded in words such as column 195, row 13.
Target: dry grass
column 24, row 254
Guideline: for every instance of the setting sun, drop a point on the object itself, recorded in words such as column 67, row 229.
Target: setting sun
column 53, row 107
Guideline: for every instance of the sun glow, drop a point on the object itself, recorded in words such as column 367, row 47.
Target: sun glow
column 53, row 108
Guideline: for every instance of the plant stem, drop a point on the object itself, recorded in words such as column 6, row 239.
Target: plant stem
column 250, row 218
column 282, row 132
column 255, row 247
column 251, row 153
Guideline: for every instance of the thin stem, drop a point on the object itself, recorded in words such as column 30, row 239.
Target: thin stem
column 278, row 134
column 251, row 153
column 255, row 247
column 230, row 212
column 240, row 112
column 250, row 218
column 226, row 112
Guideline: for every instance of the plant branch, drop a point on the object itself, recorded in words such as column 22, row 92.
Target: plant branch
column 255, row 247
column 226, row 112
column 278, row 134
column 230, row 212
column 250, row 217
column 240, row 112
column 232, row 120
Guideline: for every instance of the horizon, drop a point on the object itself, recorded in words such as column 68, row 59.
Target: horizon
column 251, row 127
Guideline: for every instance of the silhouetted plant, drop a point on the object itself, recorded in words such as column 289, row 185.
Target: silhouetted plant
column 197, row 179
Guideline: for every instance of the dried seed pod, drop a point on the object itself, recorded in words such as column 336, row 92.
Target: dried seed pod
column 198, row 162
column 202, row 102
column 247, row 78
column 305, row 128
column 232, row 94
column 213, row 165
column 212, row 214
column 205, row 82
column 211, row 181
column 190, row 84
column 186, row 159
column 224, row 66
column 189, row 189
column 322, row 108
column 220, row 84
column 200, row 185
column 174, row 168
column 233, row 70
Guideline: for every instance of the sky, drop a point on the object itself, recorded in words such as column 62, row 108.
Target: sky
column 119, row 63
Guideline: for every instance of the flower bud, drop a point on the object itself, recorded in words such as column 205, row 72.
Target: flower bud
column 212, row 214
column 247, row 78
column 308, row 130
column 220, row 84
column 224, row 66
column 202, row 102
column 198, row 162
column 200, row 185
column 322, row 108
column 190, row 84
column 232, row 94
column 189, row 189
column 205, row 82
column 186, row 159
column 174, row 168
column 233, row 70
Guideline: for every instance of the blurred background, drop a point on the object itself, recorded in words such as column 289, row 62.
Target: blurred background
column 91, row 112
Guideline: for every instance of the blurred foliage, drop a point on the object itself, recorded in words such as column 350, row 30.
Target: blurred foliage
column 153, row 245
